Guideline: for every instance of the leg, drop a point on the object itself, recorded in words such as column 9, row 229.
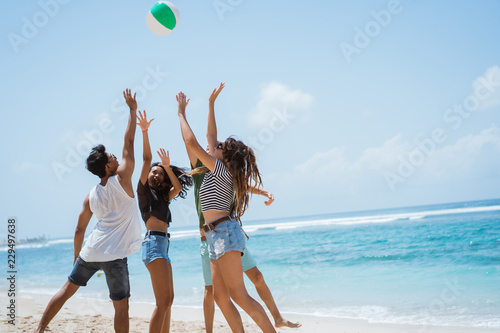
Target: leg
column 121, row 322
column 161, row 278
column 166, row 321
column 208, row 297
column 232, row 273
column 265, row 294
column 56, row 303
column 223, row 300
column 209, row 309
column 116, row 272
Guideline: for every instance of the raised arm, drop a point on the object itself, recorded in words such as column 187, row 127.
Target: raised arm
column 165, row 163
column 147, row 157
column 126, row 167
column 264, row 193
column 83, row 222
column 211, row 124
column 192, row 157
column 188, row 135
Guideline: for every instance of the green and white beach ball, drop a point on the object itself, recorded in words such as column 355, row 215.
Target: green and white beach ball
column 163, row 18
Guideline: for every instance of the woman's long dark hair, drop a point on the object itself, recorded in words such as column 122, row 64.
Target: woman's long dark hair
column 185, row 180
column 242, row 163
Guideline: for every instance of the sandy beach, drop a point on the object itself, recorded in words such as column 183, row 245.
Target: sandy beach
column 88, row 315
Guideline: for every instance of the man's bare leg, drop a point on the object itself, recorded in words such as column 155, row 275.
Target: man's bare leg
column 209, row 309
column 265, row 294
column 121, row 316
column 55, row 304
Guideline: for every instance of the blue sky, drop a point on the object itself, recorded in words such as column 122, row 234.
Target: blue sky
column 349, row 105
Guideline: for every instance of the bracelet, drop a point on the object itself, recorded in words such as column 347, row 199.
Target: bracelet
column 145, row 131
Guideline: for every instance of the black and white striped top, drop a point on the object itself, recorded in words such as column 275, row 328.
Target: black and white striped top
column 216, row 191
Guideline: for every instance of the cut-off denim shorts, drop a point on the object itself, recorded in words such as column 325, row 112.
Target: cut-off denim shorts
column 227, row 236
column 155, row 247
column 116, row 272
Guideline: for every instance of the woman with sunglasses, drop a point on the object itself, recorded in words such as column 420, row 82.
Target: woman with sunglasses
column 224, row 197
column 159, row 184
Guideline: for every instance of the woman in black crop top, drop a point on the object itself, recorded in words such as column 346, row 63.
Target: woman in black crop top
column 158, row 185
column 232, row 164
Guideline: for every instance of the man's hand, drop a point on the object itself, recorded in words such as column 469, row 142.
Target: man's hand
column 131, row 102
column 216, row 93
column 181, row 103
column 143, row 121
column 165, row 159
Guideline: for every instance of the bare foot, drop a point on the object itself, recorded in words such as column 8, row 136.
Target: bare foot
column 286, row 323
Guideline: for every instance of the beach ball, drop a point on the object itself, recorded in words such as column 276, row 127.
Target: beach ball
column 162, row 18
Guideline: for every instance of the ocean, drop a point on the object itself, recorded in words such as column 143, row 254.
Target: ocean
column 425, row 265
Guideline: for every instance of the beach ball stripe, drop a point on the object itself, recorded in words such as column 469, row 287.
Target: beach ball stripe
column 162, row 18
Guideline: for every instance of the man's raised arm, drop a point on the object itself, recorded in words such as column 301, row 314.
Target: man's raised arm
column 126, row 167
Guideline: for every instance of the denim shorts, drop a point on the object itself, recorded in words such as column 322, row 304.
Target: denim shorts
column 116, row 272
column 155, row 247
column 247, row 261
column 227, row 236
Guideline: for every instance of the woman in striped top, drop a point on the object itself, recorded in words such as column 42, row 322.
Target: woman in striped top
column 230, row 171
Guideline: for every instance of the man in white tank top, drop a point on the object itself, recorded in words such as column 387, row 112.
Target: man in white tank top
column 117, row 233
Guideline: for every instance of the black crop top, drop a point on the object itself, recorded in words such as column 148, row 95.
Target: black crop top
column 152, row 204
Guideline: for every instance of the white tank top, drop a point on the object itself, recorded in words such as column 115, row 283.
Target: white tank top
column 117, row 233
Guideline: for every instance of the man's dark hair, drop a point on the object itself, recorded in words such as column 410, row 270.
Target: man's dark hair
column 97, row 160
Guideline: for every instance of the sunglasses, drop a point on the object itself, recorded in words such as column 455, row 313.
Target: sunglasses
column 219, row 146
column 112, row 158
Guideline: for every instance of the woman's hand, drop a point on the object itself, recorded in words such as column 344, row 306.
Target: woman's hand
column 271, row 198
column 181, row 103
column 165, row 159
column 143, row 121
column 131, row 102
column 216, row 93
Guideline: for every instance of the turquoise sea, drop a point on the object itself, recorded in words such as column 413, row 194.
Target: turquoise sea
column 426, row 265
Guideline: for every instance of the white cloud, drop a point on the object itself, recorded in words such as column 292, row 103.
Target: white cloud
column 487, row 88
column 474, row 156
column 383, row 157
column 276, row 98
column 332, row 163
